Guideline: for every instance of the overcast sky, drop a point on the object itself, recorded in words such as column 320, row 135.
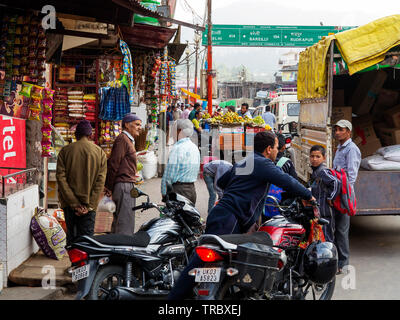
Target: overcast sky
column 274, row 12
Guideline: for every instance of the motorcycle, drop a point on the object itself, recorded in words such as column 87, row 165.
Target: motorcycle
column 289, row 136
column 287, row 259
column 143, row 266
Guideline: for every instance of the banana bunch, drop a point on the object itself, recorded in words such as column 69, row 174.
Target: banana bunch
column 206, row 116
column 258, row 121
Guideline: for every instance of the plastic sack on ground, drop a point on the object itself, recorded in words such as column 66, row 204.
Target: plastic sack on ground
column 48, row 234
column 391, row 153
column 149, row 161
column 106, row 204
column 379, row 163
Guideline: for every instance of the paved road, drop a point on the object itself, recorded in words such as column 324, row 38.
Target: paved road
column 374, row 245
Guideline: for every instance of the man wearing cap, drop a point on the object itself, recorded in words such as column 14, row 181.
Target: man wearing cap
column 81, row 173
column 347, row 157
column 121, row 175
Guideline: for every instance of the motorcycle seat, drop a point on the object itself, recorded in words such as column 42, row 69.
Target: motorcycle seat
column 256, row 237
column 139, row 239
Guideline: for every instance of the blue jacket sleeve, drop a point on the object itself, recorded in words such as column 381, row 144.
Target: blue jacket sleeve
column 330, row 184
column 271, row 173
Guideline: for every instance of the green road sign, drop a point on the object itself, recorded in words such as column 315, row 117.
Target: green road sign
column 268, row 36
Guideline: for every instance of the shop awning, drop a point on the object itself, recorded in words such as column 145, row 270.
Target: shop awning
column 228, row 103
column 147, row 36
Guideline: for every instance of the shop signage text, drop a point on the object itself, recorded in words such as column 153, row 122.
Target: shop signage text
column 268, row 36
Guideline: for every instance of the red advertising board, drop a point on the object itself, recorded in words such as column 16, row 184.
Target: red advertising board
column 12, row 144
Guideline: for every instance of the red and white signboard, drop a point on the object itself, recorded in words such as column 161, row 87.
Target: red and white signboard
column 12, row 144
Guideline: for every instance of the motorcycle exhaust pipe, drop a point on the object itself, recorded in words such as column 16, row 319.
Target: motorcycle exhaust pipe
column 126, row 293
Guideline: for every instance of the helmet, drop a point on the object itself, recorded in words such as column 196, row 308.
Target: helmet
column 320, row 262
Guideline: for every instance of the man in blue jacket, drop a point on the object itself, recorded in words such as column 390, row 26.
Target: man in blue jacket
column 245, row 190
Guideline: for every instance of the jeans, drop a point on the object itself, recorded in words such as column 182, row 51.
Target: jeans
column 209, row 180
column 78, row 225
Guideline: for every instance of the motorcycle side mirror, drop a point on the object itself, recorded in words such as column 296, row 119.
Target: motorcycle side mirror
column 136, row 193
column 275, row 200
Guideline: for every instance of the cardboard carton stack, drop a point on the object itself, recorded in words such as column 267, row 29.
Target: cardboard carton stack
column 373, row 110
column 364, row 135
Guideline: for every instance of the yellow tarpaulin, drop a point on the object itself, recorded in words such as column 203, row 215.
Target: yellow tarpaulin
column 360, row 48
column 191, row 94
column 312, row 75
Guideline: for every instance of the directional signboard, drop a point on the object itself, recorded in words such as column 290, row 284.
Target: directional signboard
column 268, row 36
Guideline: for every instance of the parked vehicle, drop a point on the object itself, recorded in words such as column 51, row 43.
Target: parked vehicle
column 143, row 266
column 317, row 119
column 285, row 107
column 277, row 262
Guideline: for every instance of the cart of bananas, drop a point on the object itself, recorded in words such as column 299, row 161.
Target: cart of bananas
column 232, row 118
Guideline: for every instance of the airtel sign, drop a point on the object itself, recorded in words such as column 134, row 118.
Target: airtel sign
column 12, row 143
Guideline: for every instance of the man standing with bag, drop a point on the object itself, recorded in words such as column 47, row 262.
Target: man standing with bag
column 121, row 175
column 347, row 157
column 81, row 173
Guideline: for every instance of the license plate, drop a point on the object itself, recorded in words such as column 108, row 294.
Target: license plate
column 207, row 274
column 80, row 273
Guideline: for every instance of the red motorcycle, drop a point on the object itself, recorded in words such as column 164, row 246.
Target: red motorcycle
column 288, row 258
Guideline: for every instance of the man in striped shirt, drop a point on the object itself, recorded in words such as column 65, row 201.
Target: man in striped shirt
column 183, row 164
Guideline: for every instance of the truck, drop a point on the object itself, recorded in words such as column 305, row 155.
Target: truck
column 377, row 192
column 286, row 108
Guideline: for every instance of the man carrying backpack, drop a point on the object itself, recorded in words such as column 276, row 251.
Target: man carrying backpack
column 347, row 157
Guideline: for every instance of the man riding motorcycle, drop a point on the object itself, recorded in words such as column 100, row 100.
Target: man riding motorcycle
column 245, row 189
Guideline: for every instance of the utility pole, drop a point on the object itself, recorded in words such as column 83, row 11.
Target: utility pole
column 187, row 68
column 209, row 59
column 196, row 40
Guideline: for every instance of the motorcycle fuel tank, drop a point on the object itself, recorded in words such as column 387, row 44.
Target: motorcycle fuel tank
column 283, row 232
column 163, row 230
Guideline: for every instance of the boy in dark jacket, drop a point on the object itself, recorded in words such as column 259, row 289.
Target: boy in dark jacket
column 324, row 187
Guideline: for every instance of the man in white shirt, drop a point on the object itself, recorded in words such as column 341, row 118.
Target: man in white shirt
column 268, row 117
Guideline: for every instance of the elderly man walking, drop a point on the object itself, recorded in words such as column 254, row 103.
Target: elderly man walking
column 347, row 157
column 121, row 175
column 81, row 173
column 183, row 164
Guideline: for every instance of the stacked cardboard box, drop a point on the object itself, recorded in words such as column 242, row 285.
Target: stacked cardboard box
column 386, row 100
column 339, row 113
column 367, row 91
column 364, row 135
column 103, row 222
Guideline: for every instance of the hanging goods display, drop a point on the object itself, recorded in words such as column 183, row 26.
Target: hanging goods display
column 47, row 103
column 128, row 69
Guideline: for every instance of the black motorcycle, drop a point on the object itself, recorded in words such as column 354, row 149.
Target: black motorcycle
column 143, row 266
column 280, row 261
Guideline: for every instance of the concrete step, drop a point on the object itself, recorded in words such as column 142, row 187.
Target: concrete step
column 39, row 268
column 32, row 293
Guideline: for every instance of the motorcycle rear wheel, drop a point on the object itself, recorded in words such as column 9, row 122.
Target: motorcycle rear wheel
column 106, row 278
column 320, row 292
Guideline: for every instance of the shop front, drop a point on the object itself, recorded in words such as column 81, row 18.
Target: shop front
column 43, row 96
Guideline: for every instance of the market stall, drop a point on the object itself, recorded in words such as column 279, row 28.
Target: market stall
column 234, row 133
column 25, row 115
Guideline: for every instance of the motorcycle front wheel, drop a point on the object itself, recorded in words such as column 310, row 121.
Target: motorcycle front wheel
column 106, row 278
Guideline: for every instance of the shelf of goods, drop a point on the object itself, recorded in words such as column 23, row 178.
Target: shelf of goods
column 77, row 83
